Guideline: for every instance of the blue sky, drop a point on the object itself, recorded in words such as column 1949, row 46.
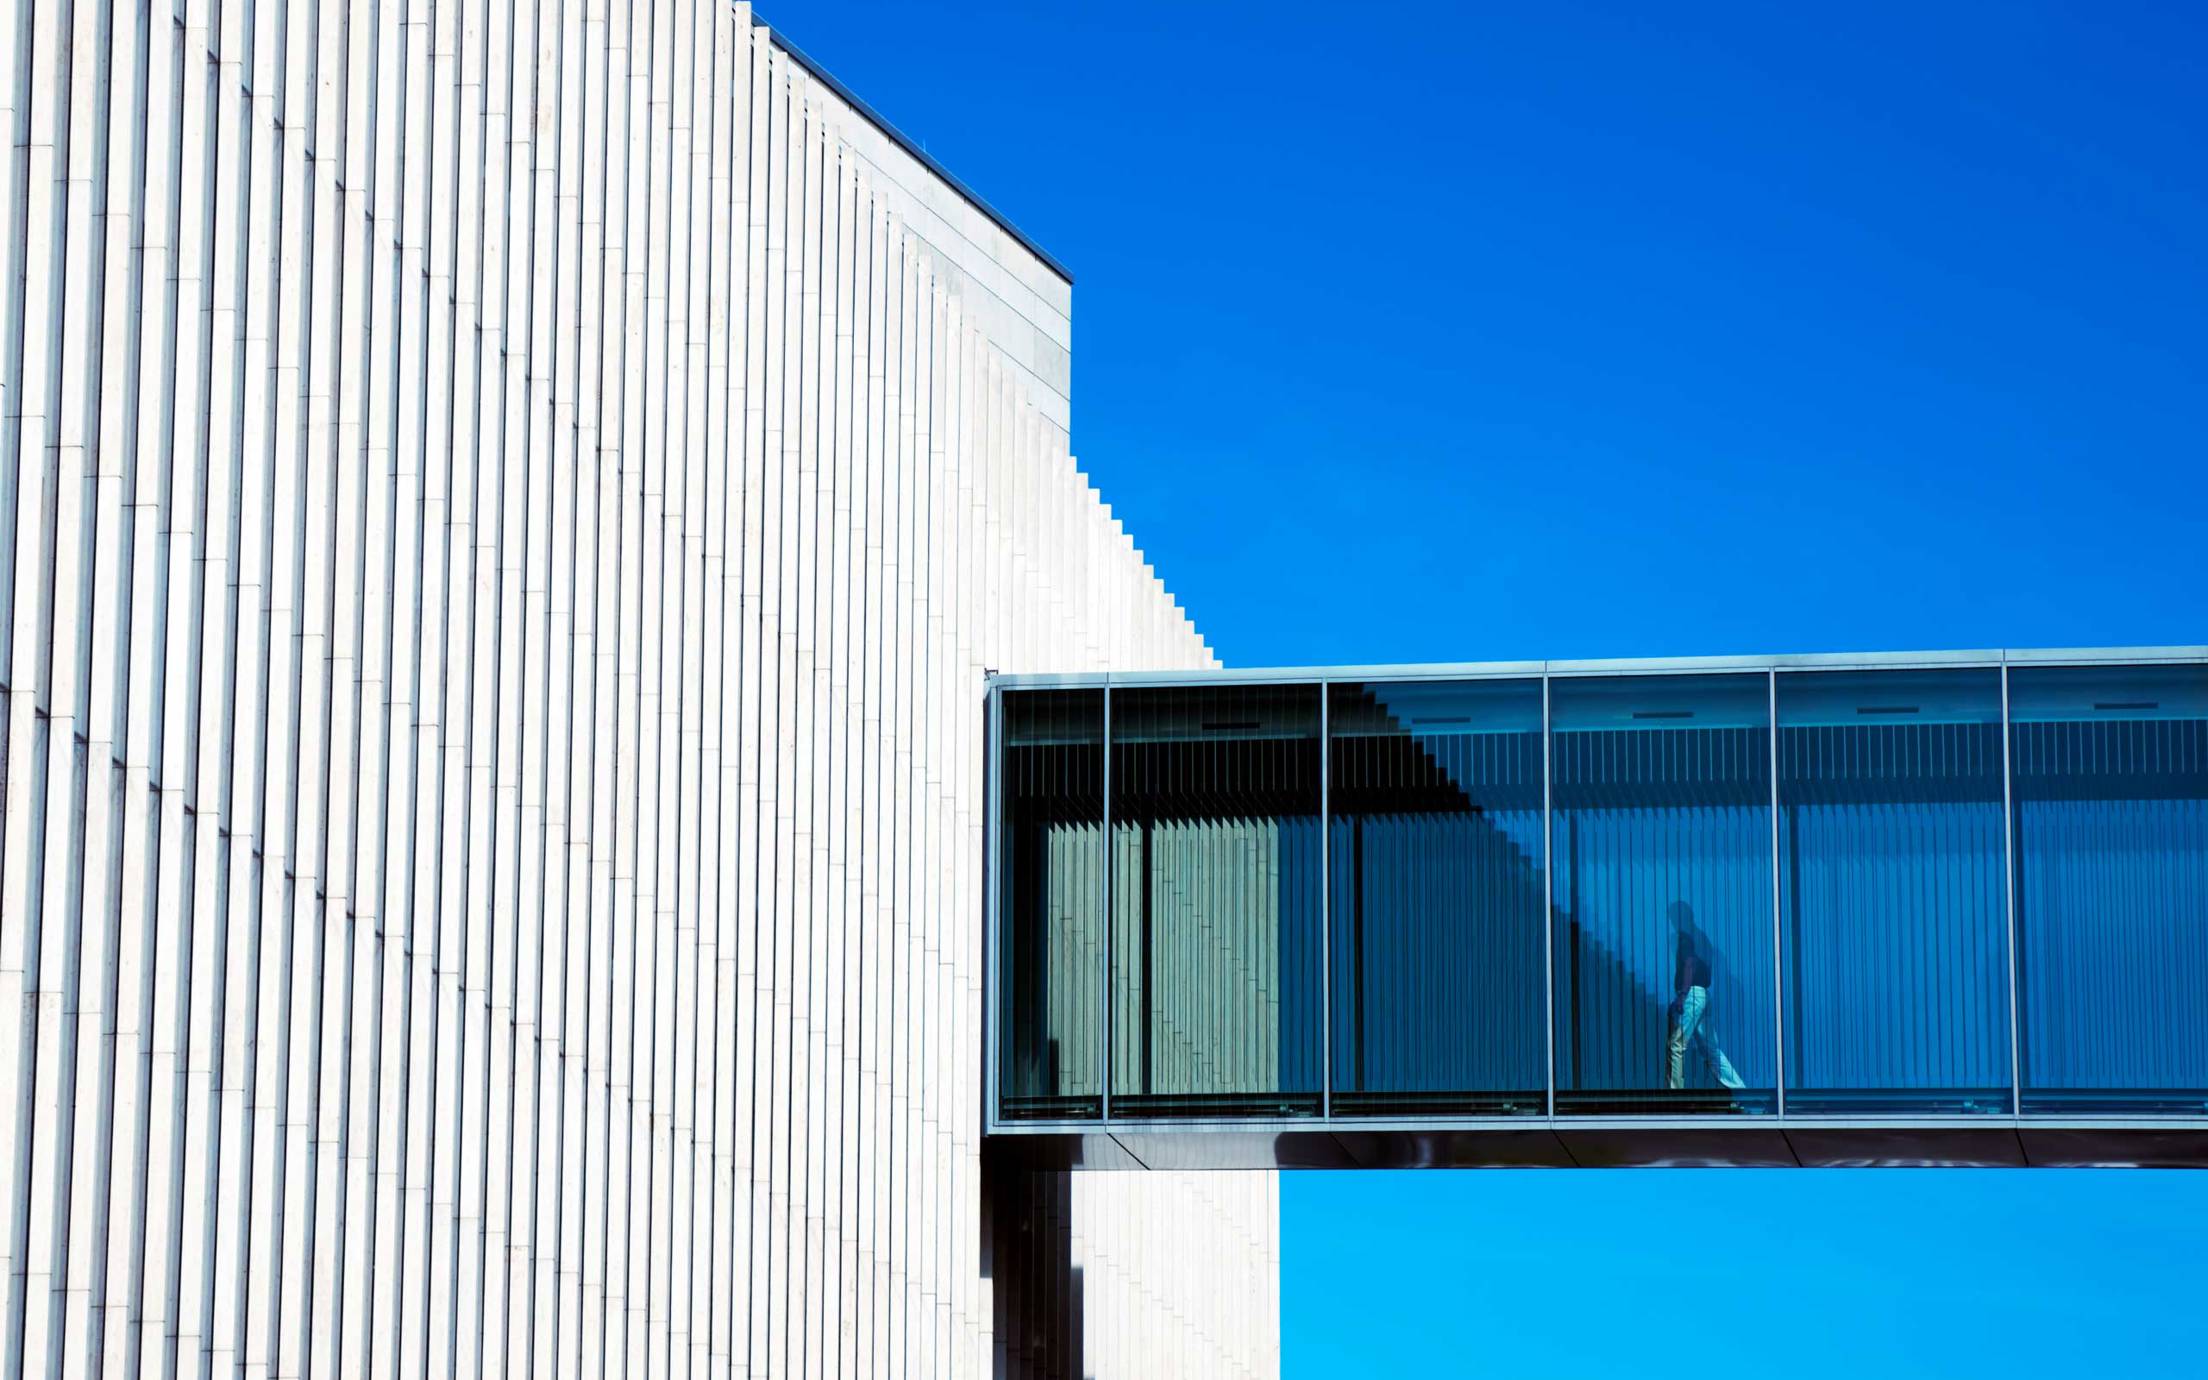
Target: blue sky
column 1467, row 332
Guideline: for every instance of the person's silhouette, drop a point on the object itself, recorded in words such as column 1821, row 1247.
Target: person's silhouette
column 1690, row 1006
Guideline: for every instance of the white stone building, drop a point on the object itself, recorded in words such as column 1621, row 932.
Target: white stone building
column 504, row 513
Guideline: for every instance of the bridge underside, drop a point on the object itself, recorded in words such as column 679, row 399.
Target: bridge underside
column 1991, row 1142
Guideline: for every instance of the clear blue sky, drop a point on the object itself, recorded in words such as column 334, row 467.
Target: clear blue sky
column 1465, row 332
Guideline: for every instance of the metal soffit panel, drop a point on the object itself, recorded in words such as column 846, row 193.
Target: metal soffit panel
column 1595, row 1143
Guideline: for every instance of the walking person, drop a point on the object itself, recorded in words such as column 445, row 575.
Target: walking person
column 1690, row 1008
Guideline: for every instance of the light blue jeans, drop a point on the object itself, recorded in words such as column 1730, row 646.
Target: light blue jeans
column 1686, row 1029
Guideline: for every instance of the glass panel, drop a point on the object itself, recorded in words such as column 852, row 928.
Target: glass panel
column 1662, row 832
column 1051, row 947
column 1438, row 988
column 1894, row 915
column 2111, row 788
column 1215, row 901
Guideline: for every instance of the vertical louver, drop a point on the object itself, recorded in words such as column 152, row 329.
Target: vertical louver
column 1215, row 900
column 1436, row 893
column 1663, row 890
column 1893, row 904
column 2111, row 799
column 1053, row 904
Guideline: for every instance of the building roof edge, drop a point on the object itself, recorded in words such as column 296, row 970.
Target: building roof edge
column 898, row 136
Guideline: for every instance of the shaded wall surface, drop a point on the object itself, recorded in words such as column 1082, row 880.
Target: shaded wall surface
column 504, row 513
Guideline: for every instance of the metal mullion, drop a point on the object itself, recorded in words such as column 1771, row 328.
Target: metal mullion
column 1778, row 949
column 1104, row 886
column 1326, row 908
column 1548, row 887
column 994, row 857
column 2008, row 891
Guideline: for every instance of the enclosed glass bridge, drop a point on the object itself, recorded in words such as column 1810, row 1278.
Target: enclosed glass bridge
column 1925, row 908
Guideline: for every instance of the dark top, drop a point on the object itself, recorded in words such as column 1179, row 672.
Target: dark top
column 1691, row 969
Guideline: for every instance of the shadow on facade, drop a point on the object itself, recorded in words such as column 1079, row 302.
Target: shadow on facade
column 1027, row 1255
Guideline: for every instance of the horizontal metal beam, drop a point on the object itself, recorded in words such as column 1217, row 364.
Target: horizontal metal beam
column 1626, row 666
column 1591, row 1142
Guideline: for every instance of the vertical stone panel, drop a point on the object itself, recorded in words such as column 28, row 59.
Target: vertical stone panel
column 505, row 510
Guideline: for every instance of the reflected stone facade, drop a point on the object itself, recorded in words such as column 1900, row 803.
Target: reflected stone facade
column 505, row 512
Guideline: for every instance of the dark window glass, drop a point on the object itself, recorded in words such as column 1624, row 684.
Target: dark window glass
column 1215, row 901
column 1892, row 903
column 1051, row 947
column 1662, row 838
column 2111, row 791
column 1435, row 871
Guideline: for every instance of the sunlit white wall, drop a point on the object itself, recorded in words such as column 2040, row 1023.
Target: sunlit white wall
column 504, row 511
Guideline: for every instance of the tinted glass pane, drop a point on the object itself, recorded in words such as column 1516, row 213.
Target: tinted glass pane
column 1662, row 836
column 1051, row 949
column 1215, row 900
column 1438, row 979
column 2111, row 790
column 1892, row 904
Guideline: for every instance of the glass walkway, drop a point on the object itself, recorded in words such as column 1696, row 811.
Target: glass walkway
column 1915, row 908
